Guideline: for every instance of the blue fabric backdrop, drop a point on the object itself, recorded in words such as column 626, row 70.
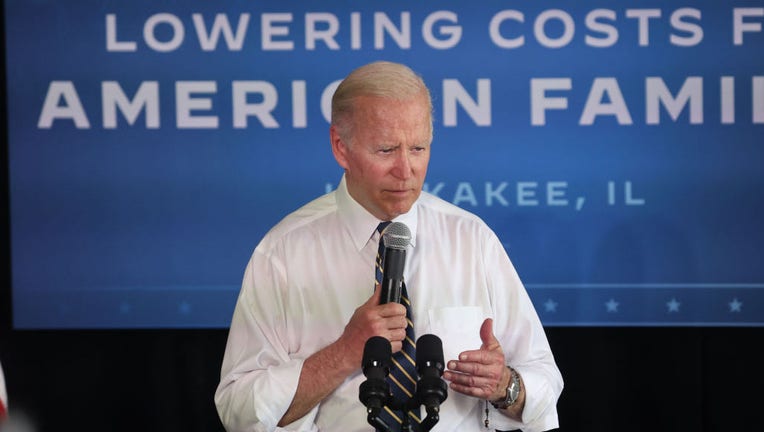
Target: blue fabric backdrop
column 616, row 149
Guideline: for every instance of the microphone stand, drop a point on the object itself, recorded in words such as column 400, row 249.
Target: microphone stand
column 432, row 417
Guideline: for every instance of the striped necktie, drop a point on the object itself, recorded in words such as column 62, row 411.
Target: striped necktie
column 403, row 374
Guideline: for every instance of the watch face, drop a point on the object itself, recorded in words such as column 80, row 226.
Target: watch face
column 514, row 388
column 514, row 391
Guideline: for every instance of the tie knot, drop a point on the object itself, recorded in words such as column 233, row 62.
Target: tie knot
column 381, row 227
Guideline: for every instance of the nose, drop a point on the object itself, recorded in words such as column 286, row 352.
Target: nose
column 402, row 168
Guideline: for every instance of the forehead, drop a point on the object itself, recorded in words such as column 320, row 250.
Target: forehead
column 390, row 114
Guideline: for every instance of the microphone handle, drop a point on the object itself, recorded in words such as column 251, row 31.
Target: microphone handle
column 392, row 276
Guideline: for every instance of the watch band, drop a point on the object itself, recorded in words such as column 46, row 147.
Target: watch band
column 513, row 391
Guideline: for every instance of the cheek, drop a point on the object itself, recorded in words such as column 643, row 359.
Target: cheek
column 376, row 172
column 421, row 167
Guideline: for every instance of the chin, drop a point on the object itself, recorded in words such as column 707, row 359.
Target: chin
column 398, row 211
column 396, row 207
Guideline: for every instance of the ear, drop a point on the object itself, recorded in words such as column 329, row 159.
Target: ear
column 339, row 148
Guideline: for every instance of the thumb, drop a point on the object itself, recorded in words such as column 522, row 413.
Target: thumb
column 486, row 335
column 374, row 299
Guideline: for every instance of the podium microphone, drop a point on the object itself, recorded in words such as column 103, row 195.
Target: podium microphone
column 374, row 392
column 431, row 389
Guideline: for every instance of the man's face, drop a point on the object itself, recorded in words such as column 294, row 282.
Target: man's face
column 386, row 163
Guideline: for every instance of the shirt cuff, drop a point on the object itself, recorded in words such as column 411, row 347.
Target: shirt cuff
column 273, row 397
column 537, row 415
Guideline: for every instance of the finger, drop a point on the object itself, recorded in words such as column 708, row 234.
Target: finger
column 471, row 385
column 376, row 296
column 478, row 392
column 486, row 335
column 491, row 371
column 388, row 310
column 470, row 368
column 467, row 380
column 397, row 322
column 483, row 357
column 397, row 335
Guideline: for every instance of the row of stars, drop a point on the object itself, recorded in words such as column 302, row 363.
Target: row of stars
column 672, row 306
column 611, row 306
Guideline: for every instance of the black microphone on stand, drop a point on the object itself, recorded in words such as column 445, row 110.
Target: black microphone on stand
column 375, row 391
column 396, row 237
column 431, row 390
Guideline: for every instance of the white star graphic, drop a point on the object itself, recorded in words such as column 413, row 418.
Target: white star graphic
column 612, row 306
column 735, row 305
column 673, row 305
column 550, row 305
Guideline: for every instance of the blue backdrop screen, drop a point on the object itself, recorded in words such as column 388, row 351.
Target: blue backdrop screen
column 615, row 148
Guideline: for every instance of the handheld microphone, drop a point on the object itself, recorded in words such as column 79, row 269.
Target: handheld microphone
column 373, row 392
column 395, row 238
column 431, row 390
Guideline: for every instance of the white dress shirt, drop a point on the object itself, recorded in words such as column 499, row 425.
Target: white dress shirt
column 315, row 267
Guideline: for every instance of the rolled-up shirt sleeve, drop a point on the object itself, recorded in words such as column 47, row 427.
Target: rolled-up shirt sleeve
column 525, row 345
column 258, row 377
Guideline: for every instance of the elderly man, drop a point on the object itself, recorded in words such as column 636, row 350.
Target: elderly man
column 309, row 303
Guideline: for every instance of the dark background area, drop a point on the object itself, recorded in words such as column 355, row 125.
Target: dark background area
column 616, row 379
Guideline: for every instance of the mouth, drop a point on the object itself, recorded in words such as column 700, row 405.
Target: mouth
column 398, row 191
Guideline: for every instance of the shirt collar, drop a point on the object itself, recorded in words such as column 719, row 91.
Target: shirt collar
column 361, row 224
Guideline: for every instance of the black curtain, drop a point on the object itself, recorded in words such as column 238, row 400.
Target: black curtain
column 616, row 379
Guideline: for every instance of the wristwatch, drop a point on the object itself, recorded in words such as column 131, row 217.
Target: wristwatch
column 513, row 391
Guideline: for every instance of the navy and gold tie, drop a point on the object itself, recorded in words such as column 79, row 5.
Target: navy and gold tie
column 403, row 374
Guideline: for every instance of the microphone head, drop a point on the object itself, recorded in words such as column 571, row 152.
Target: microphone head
column 431, row 390
column 376, row 356
column 396, row 236
column 429, row 353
